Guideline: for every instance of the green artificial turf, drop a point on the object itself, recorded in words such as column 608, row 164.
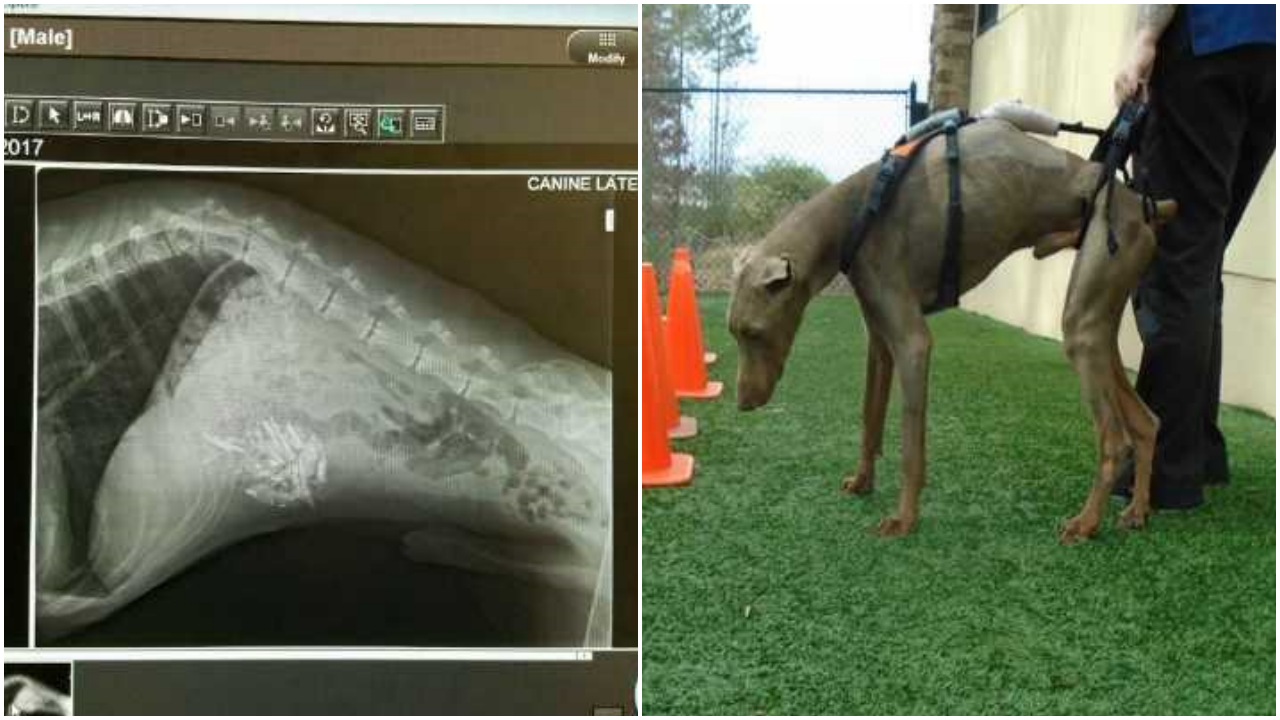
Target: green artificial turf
column 765, row 590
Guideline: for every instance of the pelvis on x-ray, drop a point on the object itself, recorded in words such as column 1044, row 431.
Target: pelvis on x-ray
column 216, row 363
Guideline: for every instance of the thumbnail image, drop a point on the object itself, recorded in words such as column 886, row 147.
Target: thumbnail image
column 37, row 689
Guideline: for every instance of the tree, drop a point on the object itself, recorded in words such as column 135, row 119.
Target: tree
column 664, row 139
column 733, row 43
column 682, row 45
column 769, row 190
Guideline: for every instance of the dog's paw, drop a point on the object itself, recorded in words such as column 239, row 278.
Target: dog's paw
column 1077, row 530
column 895, row 527
column 861, row 484
column 1133, row 517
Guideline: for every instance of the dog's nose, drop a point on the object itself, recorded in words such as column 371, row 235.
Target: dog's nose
column 745, row 403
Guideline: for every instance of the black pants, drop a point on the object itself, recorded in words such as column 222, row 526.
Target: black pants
column 1209, row 136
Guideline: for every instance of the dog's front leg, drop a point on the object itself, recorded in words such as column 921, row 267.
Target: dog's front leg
column 895, row 311
column 911, row 355
column 875, row 401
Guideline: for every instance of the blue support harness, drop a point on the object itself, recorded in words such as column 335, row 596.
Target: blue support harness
column 1115, row 145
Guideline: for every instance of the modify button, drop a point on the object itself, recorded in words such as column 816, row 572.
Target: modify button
column 604, row 48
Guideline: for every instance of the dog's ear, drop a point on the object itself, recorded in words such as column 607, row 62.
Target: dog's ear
column 776, row 272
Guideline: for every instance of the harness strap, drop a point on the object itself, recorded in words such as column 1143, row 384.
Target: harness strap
column 1113, row 150
column 893, row 166
column 948, row 295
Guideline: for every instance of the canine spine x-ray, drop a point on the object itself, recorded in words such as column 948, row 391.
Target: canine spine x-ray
column 216, row 363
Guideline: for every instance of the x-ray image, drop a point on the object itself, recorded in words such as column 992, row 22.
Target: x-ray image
column 37, row 689
column 217, row 364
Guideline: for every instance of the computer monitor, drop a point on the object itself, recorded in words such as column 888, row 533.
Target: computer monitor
column 320, row 357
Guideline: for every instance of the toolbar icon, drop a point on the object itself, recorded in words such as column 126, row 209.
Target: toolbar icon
column 18, row 114
column 191, row 119
column 324, row 122
column 390, row 123
column 359, row 123
column 86, row 115
column 54, row 115
column 291, row 119
column 426, row 123
column 157, row 118
column 260, row 119
column 122, row 117
column 224, row 119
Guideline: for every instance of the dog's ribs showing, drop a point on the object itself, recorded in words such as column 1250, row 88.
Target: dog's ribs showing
column 215, row 363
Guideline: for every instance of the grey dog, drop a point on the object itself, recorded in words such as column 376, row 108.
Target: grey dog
column 1019, row 192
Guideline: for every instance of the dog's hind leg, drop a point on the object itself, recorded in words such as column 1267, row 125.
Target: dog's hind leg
column 1099, row 287
column 1089, row 326
column 1142, row 426
column 1089, row 353
column 875, row 401
column 1137, row 246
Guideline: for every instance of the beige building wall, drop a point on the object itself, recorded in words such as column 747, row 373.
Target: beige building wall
column 1062, row 58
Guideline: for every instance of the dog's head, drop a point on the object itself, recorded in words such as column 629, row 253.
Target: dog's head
column 768, row 303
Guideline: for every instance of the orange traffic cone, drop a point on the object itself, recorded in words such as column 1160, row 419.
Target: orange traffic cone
column 683, row 254
column 684, row 337
column 659, row 467
column 653, row 327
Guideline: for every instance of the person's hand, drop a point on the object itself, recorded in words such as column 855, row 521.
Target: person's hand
column 1134, row 73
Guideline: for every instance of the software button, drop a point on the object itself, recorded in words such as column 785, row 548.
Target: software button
column 358, row 123
column 86, row 115
column 260, row 120
column 192, row 119
column 291, row 120
column 426, row 123
column 55, row 115
column 390, row 124
column 225, row 120
column 122, row 117
column 157, row 118
column 324, row 122
column 19, row 114
column 604, row 48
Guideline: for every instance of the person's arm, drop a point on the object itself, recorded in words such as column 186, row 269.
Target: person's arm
column 1136, row 70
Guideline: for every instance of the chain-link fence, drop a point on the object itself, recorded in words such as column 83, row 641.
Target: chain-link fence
column 721, row 167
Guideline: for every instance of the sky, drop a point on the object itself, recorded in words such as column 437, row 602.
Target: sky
column 881, row 46
column 840, row 45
